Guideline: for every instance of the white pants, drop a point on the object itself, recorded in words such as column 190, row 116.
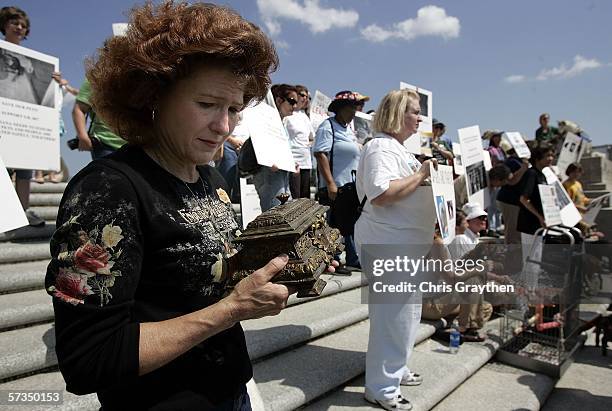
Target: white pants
column 393, row 330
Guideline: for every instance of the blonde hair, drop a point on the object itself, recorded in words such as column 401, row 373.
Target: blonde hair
column 389, row 117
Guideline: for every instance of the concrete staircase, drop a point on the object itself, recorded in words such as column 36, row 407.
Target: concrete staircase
column 597, row 181
column 311, row 356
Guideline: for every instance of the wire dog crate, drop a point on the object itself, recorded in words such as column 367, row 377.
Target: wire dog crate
column 543, row 332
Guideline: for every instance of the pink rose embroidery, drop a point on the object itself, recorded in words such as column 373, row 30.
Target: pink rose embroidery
column 92, row 258
column 71, row 287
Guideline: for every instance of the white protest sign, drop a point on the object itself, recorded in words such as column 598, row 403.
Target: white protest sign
column 30, row 101
column 362, row 126
column 518, row 144
column 593, row 209
column 570, row 216
column 570, row 153
column 472, row 156
column 120, row 29
column 12, row 215
column 270, row 139
column 249, row 201
column 419, row 143
column 486, row 157
column 318, row 109
column 444, row 200
column 457, row 161
column 550, row 206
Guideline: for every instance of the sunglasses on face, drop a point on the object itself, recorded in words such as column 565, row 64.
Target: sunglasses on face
column 302, row 94
column 291, row 101
column 482, row 218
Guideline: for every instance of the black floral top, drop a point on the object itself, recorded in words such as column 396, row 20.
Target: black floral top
column 135, row 244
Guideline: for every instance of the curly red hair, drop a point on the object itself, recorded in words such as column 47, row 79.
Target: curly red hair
column 164, row 43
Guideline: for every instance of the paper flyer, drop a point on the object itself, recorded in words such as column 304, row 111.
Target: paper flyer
column 571, row 151
column 12, row 215
column 419, row 143
column 457, row 161
column 249, row 201
column 594, row 207
column 472, row 157
column 270, row 139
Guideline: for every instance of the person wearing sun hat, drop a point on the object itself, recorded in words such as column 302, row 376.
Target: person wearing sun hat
column 337, row 153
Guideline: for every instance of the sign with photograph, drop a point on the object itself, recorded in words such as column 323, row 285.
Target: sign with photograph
column 518, row 144
column 570, row 216
column 419, row 143
column 472, row 157
column 550, row 205
column 249, row 201
column 457, row 161
column 318, row 109
column 30, row 101
column 571, row 151
column 594, row 207
column 444, row 200
column 270, row 139
column 12, row 215
column 362, row 126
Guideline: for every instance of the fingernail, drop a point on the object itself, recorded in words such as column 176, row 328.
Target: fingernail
column 284, row 257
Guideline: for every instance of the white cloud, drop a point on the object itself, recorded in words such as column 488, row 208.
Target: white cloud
column 580, row 65
column 515, row 78
column 318, row 18
column 430, row 21
column 281, row 44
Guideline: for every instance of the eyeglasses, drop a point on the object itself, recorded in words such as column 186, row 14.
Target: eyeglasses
column 291, row 101
column 302, row 94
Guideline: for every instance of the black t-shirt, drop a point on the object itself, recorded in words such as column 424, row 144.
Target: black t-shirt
column 527, row 222
column 510, row 194
column 135, row 244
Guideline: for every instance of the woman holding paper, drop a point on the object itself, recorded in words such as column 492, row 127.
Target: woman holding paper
column 144, row 234
column 399, row 211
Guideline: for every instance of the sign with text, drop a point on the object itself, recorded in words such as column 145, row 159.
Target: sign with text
column 270, row 139
column 419, row 143
column 570, row 216
column 444, row 200
column 318, row 109
column 518, row 144
column 550, row 205
column 12, row 215
column 30, row 101
column 472, row 157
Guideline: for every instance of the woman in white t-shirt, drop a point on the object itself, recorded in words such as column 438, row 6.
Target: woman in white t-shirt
column 399, row 211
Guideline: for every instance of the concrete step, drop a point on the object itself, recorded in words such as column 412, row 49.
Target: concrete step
column 45, row 199
column 442, row 373
column 30, row 349
column 25, row 308
column 28, row 233
column 586, row 382
column 319, row 367
column 47, row 188
column 22, row 276
column 52, row 380
column 47, row 213
column 596, row 186
column 497, row 386
column 13, row 252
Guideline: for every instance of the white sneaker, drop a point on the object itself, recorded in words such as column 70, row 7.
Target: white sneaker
column 412, row 378
column 397, row 403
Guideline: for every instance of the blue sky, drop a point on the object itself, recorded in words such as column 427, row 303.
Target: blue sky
column 498, row 64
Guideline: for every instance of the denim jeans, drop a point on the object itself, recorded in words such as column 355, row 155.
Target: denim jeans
column 269, row 184
column 228, row 167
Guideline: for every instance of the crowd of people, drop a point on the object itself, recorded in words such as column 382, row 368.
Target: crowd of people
column 144, row 231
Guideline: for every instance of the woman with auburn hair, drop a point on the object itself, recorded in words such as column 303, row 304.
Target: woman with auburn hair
column 140, row 253
column 399, row 211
